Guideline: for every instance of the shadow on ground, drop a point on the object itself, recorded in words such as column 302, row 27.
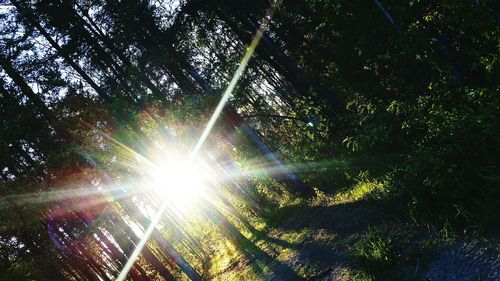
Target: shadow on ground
column 329, row 231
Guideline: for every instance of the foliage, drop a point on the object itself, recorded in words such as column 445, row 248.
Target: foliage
column 448, row 176
column 365, row 101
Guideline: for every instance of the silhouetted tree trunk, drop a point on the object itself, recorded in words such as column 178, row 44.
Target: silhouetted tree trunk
column 37, row 102
column 135, row 213
column 29, row 17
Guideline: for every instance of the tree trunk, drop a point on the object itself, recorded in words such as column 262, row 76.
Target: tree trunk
column 37, row 102
column 135, row 213
column 29, row 16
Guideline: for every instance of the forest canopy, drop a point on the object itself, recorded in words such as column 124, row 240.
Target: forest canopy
column 171, row 139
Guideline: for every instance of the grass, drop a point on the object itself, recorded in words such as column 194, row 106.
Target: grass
column 338, row 228
column 284, row 245
column 374, row 253
column 364, row 188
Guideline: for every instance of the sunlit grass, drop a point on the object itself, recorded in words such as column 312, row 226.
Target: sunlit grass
column 362, row 189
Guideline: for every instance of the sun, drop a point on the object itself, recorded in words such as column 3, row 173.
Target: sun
column 180, row 182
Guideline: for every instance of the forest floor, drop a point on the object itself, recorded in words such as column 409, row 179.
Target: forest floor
column 346, row 236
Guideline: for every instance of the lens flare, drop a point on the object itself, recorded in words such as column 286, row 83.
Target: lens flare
column 166, row 183
column 179, row 182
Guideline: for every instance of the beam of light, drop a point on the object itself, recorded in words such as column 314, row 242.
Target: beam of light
column 138, row 249
column 225, row 97
column 113, row 193
column 124, row 147
column 129, row 154
column 229, row 90
column 267, row 170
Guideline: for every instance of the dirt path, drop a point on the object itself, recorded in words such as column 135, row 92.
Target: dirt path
column 466, row 261
column 314, row 241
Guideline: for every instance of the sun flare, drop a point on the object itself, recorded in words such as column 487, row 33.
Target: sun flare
column 179, row 182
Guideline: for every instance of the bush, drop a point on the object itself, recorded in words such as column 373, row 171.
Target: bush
column 452, row 174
